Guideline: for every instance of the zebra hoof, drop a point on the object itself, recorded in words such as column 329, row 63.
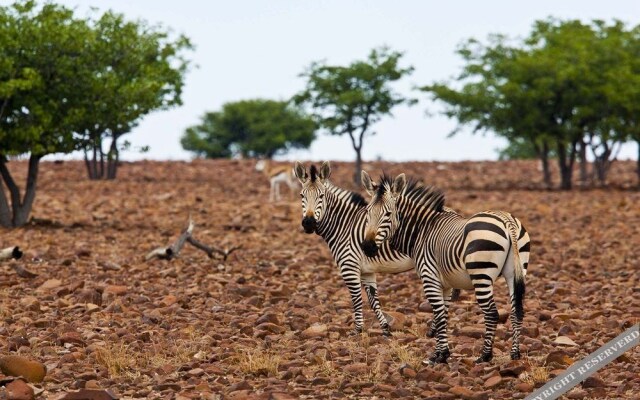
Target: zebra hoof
column 515, row 355
column 485, row 357
column 386, row 333
column 439, row 357
column 355, row 332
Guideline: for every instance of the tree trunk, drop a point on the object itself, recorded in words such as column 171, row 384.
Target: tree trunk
column 358, row 168
column 5, row 210
column 565, row 162
column 543, row 155
column 638, row 162
column 113, row 158
column 584, row 173
column 21, row 207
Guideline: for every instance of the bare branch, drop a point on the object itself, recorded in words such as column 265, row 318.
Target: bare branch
column 211, row 249
column 168, row 253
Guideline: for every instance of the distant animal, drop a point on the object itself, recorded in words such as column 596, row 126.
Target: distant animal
column 277, row 174
column 339, row 217
column 450, row 251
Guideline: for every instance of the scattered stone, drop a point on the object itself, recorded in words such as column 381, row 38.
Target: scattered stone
column 32, row 371
column 593, row 382
column 19, row 390
column 356, row 369
column 565, row 341
column 559, row 357
column 493, row 381
column 90, row 394
column 471, row 331
column 49, row 284
column 30, row 303
column 315, row 331
column 524, row 387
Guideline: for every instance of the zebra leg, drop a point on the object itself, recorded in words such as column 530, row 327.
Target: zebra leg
column 370, row 286
column 351, row 278
column 434, row 291
column 448, row 295
column 484, row 296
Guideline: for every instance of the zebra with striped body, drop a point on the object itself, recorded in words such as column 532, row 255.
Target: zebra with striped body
column 339, row 217
column 450, row 251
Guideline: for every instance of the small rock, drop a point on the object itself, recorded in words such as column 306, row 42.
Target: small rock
column 559, row 357
column 314, row 331
column 89, row 296
column 168, row 300
column 32, row 371
column 468, row 394
column 425, row 307
column 30, row 303
column 19, row 390
column 407, row 371
column 593, row 382
column 493, row 381
column 503, row 315
column 565, row 340
column 396, row 320
column 90, row 394
column 71, row 337
column 49, row 284
column 118, row 290
column 471, row 331
column 524, row 387
column 544, row 316
column 356, row 369
column 281, row 396
column 513, row 368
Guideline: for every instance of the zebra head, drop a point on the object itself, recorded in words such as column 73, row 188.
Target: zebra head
column 382, row 215
column 313, row 192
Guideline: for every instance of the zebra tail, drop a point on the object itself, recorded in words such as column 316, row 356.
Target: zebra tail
column 519, row 285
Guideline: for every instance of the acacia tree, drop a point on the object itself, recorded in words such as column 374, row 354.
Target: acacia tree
column 556, row 90
column 350, row 100
column 41, row 93
column 135, row 69
column 250, row 128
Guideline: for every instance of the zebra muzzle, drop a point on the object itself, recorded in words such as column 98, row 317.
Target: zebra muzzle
column 369, row 247
column 309, row 224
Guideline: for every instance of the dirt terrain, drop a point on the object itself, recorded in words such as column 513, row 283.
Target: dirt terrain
column 273, row 320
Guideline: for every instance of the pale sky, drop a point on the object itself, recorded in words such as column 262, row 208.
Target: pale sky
column 257, row 49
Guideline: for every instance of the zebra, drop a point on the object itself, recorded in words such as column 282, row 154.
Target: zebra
column 450, row 251
column 338, row 216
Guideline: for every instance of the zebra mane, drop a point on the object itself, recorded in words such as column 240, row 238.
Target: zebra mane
column 313, row 171
column 425, row 196
column 354, row 198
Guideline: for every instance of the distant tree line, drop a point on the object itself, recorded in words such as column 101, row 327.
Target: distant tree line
column 70, row 83
column 566, row 90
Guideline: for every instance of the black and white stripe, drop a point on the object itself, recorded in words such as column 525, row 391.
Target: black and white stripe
column 451, row 252
column 339, row 217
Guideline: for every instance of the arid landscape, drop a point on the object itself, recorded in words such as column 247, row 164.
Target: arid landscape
column 273, row 320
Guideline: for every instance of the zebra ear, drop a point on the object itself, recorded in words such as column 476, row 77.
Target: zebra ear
column 368, row 184
column 325, row 171
column 398, row 184
column 301, row 172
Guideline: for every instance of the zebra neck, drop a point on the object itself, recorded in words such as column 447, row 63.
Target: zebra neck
column 340, row 208
column 413, row 222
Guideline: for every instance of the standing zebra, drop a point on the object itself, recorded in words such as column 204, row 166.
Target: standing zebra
column 450, row 252
column 339, row 216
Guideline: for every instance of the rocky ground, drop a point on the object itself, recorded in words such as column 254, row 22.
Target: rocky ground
column 272, row 321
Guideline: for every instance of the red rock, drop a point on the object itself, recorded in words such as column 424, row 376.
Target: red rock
column 118, row 290
column 90, row 394
column 593, row 382
column 49, row 285
column 524, row 387
column 468, row 394
column 32, row 371
column 281, row 396
column 30, row 303
column 71, row 337
column 315, row 331
column 513, row 368
column 559, row 357
column 356, row 369
column 19, row 390
column 493, row 382
column 396, row 320
column 408, row 372
column 168, row 300
column 471, row 331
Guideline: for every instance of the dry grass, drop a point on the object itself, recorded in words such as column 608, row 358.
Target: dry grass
column 258, row 362
column 539, row 372
column 405, row 355
column 122, row 359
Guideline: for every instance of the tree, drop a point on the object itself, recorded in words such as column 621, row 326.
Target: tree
column 557, row 90
column 41, row 91
column 349, row 100
column 135, row 69
column 250, row 128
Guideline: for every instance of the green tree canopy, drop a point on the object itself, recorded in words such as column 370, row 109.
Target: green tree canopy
column 250, row 128
column 67, row 82
column 350, row 100
column 558, row 89
column 135, row 69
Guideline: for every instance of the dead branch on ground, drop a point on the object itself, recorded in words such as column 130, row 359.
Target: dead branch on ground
column 168, row 253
